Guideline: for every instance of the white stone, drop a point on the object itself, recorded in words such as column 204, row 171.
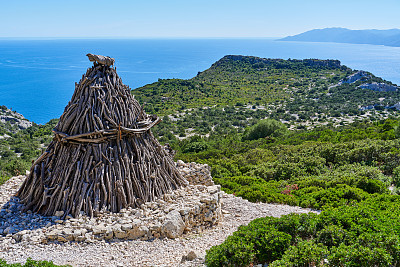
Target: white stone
column 173, row 226
column 213, row 189
column 59, row 213
column 137, row 230
column 99, row 229
column 126, row 227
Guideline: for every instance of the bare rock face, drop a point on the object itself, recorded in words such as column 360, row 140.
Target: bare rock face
column 380, row 87
column 359, row 75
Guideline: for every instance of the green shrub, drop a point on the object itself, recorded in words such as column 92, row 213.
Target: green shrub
column 305, row 253
column 195, row 146
column 259, row 242
column 256, row 189
column 361, row 234
column 297, row 225
column 339, row 195
column 331, row 235
column 360, row 256
column 264, row 128
column 396, row 175
column 31, row 263
column 269, row 244
column 17, row 167
column 234, row 251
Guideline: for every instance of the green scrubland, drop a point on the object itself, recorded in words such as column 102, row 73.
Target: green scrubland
column 279, row 131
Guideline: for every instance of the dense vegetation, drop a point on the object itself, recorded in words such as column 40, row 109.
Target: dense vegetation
column 363, row 234
column 30, row 263
column 23, row 146
column 336, row 158
column 237, row 90
column 310, row 168
column 345, row 172
column 241, row 80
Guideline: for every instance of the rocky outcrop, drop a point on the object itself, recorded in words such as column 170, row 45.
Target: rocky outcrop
column 359, row 75
column 14, row 118
column 355, row 77
column 396, row 106
column 380, row 87
column 173, row 226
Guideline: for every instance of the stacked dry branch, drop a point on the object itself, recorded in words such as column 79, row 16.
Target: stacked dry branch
column 103, row 155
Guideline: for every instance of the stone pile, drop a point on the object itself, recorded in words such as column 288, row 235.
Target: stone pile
column 189, row 209
column 195, row 173
column 159, row 252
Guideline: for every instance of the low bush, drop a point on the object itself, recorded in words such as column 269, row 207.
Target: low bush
column 265, row 128
column 361, row 234
column 30, row 263
column 305, row 253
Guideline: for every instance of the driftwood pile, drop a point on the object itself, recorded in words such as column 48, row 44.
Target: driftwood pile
column 103, row 155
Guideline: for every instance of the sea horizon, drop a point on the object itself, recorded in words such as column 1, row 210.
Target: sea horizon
column 38, row 76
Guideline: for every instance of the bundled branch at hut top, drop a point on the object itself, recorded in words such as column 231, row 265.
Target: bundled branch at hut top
column 103, row 155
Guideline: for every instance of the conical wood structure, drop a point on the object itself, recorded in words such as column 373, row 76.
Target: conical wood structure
column 103, row 155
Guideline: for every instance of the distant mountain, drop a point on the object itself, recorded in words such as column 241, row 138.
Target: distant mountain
column 341, row 35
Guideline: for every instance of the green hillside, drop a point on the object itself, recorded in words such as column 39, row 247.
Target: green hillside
column 296, row 132
column 298, row 86
column 240, row 79
column 237, row 91
column 20, row 146
column 341, row 157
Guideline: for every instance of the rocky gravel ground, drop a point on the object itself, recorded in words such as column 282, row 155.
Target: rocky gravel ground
column 188, row 250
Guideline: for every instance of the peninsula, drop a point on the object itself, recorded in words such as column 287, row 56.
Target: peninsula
column 342, row 35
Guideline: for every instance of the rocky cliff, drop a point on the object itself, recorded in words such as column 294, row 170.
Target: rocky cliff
column 13, row 121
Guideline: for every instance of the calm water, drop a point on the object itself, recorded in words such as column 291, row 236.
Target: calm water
column 37, row 76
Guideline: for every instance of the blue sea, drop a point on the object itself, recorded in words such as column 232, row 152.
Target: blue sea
column 37, row 77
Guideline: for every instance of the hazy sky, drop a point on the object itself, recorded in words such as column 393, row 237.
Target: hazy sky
column 187, row 18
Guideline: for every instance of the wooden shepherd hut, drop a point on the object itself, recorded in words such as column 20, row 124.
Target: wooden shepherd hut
column 103, row 155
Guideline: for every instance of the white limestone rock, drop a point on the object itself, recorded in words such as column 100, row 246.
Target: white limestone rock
column 173, row 226
column 380, row 87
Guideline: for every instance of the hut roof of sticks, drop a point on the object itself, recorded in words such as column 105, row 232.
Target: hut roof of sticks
column 103, row 156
